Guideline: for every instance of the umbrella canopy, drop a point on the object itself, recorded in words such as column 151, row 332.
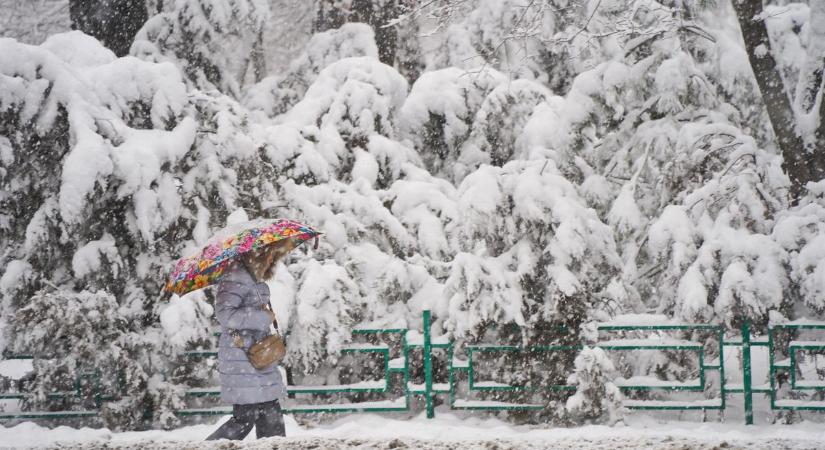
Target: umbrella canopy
column 206, row 267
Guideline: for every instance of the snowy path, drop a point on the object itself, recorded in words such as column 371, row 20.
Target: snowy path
column 447, row 431
column 664, row 443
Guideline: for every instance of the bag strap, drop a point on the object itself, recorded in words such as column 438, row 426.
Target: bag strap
column 268, row 307
column 275, row 320
column 236, row 335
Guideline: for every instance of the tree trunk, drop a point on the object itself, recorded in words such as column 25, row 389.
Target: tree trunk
column 819, row 136
column 258, row 58
column 113, row 22
column 800, row 166
column 329, row 16
column 376, row 14
column 816, row 52
column 408, row 58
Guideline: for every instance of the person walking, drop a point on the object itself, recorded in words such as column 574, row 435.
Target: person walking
column 244, row 312
column 239, row 259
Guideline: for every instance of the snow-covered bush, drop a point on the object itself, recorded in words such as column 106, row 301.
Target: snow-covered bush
column 323, row 315
column 528, row 251
column 597, row 399
column 86, row 341
column 801, row 233
column 718, row 259
column 368, row 274
column 529, row 254
column 105, row 181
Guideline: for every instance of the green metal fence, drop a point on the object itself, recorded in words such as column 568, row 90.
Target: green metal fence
column 614, row 337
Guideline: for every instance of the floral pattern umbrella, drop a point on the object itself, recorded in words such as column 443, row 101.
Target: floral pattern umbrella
column 206, row 267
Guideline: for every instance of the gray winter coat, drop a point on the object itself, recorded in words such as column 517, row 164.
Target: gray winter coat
column 238, row 307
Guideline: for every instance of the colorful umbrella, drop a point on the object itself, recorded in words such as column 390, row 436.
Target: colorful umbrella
column 206, row 267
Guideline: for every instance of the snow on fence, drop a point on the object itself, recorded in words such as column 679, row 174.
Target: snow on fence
column 619, row 335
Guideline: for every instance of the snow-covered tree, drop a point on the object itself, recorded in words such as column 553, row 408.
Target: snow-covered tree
column 397, row 40
column 499, row 123
column 276, row 94
column 353, row 102
column 438, row 114
column 216, row 43
column 597, row 399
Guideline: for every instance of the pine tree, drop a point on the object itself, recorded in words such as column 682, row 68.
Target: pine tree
column 397, row 43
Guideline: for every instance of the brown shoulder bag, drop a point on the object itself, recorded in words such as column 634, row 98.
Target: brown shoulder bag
column 268, row 350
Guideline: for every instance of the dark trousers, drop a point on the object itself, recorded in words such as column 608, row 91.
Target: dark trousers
column 266, row 417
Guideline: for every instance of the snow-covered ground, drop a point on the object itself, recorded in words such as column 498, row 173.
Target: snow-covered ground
column 446, row 431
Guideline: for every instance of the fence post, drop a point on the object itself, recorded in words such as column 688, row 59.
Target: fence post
column 98, row 395
column 428, row 367
column 746, row 371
